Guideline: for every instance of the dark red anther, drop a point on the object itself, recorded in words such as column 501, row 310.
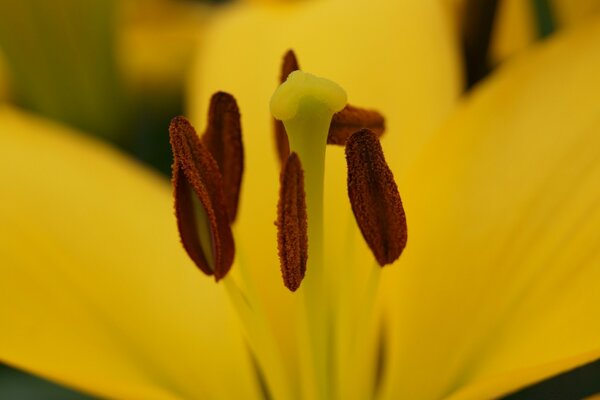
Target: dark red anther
column 374, row 197
column 200, row 205
column 292, row 227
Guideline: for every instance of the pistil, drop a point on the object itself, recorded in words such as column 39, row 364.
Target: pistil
column 306, row 104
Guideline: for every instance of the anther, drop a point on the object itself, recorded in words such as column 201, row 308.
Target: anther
column 374, row 197
column 292, row 230
column 344, row 123
column 200, row 206
column 223, row 138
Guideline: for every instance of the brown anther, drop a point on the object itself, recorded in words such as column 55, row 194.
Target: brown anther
column 197, row 183
column 292, row 234
column 351, row 119
column 374, row 197
column 223, row 138
column 289, row 65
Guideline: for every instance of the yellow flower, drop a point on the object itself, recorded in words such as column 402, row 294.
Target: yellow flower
column 496, row 290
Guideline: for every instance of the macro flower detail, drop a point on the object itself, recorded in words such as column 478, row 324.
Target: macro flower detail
column 306, row 106
column 494, row 298
column 207, row 176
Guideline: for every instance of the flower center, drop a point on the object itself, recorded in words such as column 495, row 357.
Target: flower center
column 207, row 175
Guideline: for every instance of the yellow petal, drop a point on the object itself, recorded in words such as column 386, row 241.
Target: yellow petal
column 500, row 282
column 96, row 292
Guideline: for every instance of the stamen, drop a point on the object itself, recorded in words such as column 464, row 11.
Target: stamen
column 292, row 230
column 289, row 65
column 351, row 119
column 374, row 197
column 200, row 205
column 223, row 138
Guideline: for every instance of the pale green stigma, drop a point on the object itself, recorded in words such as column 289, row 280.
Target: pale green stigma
column 301, row 87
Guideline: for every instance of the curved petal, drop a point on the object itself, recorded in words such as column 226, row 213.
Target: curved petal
column 96, row 292
column 500, row 285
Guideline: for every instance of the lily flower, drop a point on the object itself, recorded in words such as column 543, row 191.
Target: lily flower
column 495, row 291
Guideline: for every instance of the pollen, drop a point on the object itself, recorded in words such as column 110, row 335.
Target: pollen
column 375, row 198
column 292, row 230
column 200, row 206
column 223, row 138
